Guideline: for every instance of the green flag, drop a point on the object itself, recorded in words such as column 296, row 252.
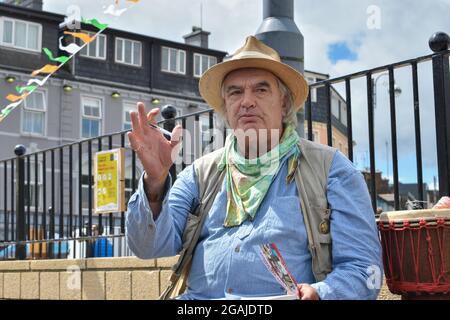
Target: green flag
column 95, row 23
column 20, row 89
column 62, row 59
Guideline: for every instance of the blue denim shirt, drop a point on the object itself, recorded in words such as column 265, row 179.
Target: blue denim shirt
column 227, row 261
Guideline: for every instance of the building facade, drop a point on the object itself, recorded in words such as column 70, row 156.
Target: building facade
column 319, row 114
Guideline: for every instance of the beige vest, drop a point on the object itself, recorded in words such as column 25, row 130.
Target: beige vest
column 311, row 179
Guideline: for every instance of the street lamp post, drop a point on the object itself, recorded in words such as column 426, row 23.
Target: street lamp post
column 397, row 89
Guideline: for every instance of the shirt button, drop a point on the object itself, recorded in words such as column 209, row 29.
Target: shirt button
column 237, row 249
column 229, row 290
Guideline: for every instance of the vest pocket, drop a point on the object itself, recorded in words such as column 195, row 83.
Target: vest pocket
column 321, row 224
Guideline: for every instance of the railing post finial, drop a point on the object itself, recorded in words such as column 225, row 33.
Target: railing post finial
column 439, row 41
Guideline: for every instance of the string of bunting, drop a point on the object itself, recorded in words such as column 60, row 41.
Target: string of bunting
column 49, row 69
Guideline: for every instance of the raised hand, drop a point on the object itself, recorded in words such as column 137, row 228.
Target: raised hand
column 155, row 152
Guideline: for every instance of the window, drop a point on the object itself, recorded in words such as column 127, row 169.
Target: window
column 91, row 117
column 33, row 116
column 30, row 190
column 20, row 34
column 127, row 107
column 173, row 60
column 128, row 52
column 202, row 63
column 95, row 49
column 313, row 90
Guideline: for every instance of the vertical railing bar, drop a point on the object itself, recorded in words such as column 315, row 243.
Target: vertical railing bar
column 309, row 115
column 183, row 148
column 13, row 211
column 133, row 171
column 70, row 228
column 329, row 114
column 394, row 137
column 53, row 189
column 89, row 231
column 110, row 218
column 349, row 118
column 5, row 205
column 80, row 193
column 28, row 197
column 417, row 129
column 100, row 216
column 373, row 191
column 44, row 196
column 122, row 214
column 61, row 199
column 36, row 204
column 197, row 137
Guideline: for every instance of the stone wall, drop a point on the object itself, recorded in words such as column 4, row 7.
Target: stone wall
column 125, row 278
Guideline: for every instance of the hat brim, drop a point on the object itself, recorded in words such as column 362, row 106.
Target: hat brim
column 210, row 83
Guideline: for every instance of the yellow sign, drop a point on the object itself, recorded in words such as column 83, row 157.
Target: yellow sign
column 109, row 188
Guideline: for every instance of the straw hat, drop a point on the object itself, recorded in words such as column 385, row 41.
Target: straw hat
column 254, row 54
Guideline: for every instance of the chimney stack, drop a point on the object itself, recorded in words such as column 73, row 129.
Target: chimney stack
column 198, row 37
column 279, row 31
column 31, row 4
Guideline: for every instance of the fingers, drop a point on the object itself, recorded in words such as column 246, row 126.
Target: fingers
column 142, row 117
column 133, row 142
column 152, row 115
column 135, row 126
column 307, row 292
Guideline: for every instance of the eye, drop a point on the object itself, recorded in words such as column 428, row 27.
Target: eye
column 261, row 90
column 234, row 92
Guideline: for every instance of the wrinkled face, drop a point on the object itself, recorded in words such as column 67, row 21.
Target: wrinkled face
column 253, row 100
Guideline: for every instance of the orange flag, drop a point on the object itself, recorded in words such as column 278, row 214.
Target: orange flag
column 14, row 98
column 83, row 36
column 49, row 68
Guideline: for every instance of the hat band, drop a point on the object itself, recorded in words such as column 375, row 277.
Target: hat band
column 253, row 54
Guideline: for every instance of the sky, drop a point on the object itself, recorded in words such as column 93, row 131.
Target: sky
column 341, row 37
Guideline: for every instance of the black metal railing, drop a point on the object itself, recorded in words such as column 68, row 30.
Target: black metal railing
column 61, row 180
column 47, row 201
column 439, row 43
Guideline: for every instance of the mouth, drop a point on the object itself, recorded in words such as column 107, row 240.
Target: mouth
column 249, row 118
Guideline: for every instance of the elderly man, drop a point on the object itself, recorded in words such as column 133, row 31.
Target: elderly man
column 266, row 185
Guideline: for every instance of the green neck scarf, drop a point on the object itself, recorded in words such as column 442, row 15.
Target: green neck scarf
column 248, row 180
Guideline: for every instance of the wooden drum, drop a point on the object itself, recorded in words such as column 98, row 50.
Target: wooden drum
column 416, row 252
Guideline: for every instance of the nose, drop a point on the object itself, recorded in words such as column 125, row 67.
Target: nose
column 248, row 100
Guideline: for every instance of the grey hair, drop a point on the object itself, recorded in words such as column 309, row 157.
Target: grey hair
column 290, row 117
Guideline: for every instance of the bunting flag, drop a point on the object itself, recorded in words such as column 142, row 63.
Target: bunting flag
column 62, row 59
column 95, row 23
column 14, row 98
column 50, row 69
column 80, row 35
column 40, row 83
column 113, row 11
column 71, row 48
column 20, row 89
column 7, row 110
